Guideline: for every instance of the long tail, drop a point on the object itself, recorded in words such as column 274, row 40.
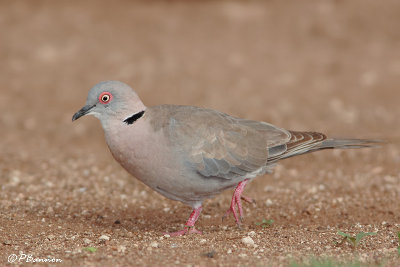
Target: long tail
column 306, row 142
column 348, row 143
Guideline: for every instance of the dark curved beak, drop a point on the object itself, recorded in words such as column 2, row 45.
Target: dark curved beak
column 82, row 112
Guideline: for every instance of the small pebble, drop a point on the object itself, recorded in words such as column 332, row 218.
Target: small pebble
column 87, row 241
column 210, row 254
column 82, row 189
column 104, row 238
column 252, row 234
column 203, row 241
column 248, row 241
column 121, row 249
column 154, row 244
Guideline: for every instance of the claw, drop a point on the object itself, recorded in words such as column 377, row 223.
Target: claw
column 189, row 226
column 248, row 199
column 185, row 231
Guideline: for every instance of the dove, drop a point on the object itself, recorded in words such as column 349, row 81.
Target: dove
column 190, row 154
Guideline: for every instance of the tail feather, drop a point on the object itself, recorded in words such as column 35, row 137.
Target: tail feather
column 347, row 143
column 306, row 142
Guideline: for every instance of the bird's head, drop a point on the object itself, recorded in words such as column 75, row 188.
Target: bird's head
column 111, row 100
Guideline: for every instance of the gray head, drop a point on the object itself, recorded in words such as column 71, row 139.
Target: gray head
column 111, row 100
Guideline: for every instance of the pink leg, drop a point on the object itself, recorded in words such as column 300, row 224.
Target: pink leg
column 237, row 195
column 189, row 225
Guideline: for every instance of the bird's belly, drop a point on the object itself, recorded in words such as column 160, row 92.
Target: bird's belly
column 152, row 160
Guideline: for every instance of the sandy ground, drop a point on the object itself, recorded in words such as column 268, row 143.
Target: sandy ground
column 330, row 66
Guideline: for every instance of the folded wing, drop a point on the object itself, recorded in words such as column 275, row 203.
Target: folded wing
column 219, row 145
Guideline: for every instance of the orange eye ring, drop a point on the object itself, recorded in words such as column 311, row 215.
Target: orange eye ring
column 105, row 97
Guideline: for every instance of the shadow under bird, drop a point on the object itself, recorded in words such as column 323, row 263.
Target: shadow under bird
column 191, row 154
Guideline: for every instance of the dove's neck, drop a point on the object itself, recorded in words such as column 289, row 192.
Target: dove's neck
column 125, row 116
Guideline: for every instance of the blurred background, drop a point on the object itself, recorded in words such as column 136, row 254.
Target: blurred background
column 330, row 66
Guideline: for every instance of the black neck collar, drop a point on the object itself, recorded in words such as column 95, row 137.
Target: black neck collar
column 134, row 117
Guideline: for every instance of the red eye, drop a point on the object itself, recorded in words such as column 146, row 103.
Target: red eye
column 105, row 97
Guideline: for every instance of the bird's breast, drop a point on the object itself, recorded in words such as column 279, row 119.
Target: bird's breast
column 144, row 153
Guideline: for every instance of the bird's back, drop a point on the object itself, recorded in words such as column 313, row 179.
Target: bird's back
column 217, row 144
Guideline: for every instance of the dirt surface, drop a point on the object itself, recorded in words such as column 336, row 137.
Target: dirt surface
column 329, row 66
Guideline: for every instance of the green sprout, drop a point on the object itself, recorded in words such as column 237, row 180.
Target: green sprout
column 354, row 240
column 265, row 223
column 90, row 249
column 326, row 262
column 398, row 248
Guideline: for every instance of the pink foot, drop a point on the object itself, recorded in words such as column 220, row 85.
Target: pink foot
column 237, row 195
column 187, row 230
column 189, row 225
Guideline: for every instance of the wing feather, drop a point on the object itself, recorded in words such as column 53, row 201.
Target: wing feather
column 216, row 144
